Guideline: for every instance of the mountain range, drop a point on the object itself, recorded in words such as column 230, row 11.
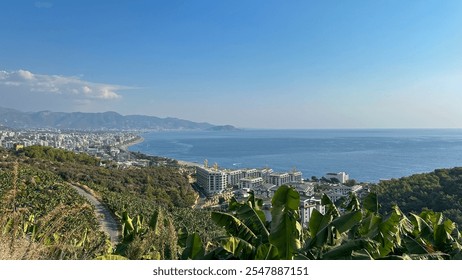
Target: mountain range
column 95, row 121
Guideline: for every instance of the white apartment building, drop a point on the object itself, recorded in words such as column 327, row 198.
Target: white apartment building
column 8, row 144
column 307, row 207
column 295, row 176
column 250, row 183
column 234, row 177
column 303, row 188
column 264, row 173
column 211, row 180
column 337, row 192
column 279, row 179
column 342, row 177
column 267, row 174
column 264, row 190
column 250, row 173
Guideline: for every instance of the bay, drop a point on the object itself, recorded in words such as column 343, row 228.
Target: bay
column 368, row 155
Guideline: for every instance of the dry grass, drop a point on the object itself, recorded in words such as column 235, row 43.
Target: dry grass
column 15, row 246
column 53, row 238
column 12, row 248
column 57, row 234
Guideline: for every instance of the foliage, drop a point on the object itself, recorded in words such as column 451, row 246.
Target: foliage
column 164, row 186
column 358, row 233
column 148, row 240
column 138, row 192
column 440, row 191
column 41, row 213
column 250, row 236
column 37, row 211
column 286, row 231
column 59, row 155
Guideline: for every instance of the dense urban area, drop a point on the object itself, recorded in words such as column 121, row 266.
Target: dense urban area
column 107, row 146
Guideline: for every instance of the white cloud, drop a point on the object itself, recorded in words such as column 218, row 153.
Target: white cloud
column 28, row 91
column 86, row 90
column 60, row 85
column 26, row 75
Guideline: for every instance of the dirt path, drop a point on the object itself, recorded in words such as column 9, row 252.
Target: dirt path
column 108, row 224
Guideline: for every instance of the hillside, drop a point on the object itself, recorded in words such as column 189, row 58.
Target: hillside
column 42, row 216
column 93, row 121
column 41, row 210
column 440, row 190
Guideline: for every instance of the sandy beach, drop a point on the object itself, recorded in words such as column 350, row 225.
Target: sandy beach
column 140, row 139
column 135, row 141
column 189, row 163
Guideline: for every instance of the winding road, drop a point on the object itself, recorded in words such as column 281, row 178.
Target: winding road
column 108, row 224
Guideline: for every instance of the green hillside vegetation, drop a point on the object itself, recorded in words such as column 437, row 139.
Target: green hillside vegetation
column 59, row 155
column 41, row 192
column 42, row 218
column 164, row 186
column 440, row 191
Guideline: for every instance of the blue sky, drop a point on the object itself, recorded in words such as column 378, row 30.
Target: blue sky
column 255, row 64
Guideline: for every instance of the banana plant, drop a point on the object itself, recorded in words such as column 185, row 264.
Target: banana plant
column 250, row 236
column 361, row 231
column 131, row 227
column 153, row 240
column 330, row 231
column 193, row 246
column 364, row 233
column 30, row 227
column 286, row 230
column 433, row 237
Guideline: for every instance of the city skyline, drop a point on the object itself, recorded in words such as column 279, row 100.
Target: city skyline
column 252, row 64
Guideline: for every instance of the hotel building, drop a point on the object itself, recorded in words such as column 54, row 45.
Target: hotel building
column 213, row 181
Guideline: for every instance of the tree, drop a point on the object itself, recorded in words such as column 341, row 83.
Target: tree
column 351, row 183
column 334, row 180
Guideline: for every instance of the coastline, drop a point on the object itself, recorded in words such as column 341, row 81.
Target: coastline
column 368, row 155
column 188, row 163
column 136, row 140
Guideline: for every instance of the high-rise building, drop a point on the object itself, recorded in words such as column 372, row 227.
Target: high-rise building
column 250, row 173
column 279, row 179
column 234, row 176
column 307, row 207
column 295, row 176
column 264, row 173
column 342, row 177
column 211, row 180
column 250, row 183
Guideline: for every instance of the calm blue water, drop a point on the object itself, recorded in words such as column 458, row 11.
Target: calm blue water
column 367, row 155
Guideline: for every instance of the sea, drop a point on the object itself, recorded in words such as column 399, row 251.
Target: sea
column 367, row 155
